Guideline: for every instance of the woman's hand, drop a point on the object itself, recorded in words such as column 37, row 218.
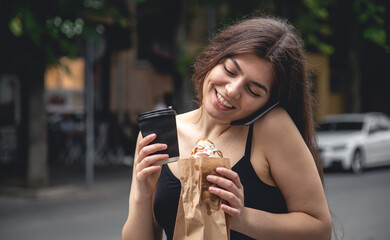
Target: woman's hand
column 147, row 168
column 230, row 190
column 140, row 223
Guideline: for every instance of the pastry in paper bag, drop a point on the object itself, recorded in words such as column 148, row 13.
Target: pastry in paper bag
column 199, row 214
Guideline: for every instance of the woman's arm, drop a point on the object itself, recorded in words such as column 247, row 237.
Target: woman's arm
column 294, row 172
column 140, row 223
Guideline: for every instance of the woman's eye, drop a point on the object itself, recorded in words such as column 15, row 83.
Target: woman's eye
column 229, row 71
column 253, row 93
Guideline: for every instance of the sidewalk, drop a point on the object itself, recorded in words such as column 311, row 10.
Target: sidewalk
column 70, row 181
column 67, row 209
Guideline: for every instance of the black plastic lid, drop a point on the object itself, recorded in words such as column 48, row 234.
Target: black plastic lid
column 157, row 113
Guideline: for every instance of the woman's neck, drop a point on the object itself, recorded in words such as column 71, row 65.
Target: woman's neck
column 208, row 126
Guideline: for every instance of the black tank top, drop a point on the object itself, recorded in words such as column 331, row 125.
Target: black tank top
column 257, row 194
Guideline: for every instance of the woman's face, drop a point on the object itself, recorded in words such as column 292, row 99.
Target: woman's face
column 237, row 87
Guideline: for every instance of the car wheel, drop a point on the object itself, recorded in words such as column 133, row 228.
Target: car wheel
column 357, row 162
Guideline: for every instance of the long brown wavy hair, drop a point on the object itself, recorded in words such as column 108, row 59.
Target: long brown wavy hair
column 277, row 42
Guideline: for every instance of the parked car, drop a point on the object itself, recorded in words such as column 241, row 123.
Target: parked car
column 354, row 141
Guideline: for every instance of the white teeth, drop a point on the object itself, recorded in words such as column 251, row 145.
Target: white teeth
column 223, row 101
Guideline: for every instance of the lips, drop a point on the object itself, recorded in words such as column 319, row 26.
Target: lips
column 221, row 100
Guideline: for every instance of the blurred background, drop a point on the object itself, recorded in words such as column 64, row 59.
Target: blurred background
column 75, row 74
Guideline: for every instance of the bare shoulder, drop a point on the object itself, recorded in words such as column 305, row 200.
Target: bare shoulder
column 277, row 134
column 274, row 123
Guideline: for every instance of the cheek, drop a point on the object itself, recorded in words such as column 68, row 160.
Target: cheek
column 207, row 93
column 252, row 105
column 205, row 87
column 216, row 76
column 208, row 85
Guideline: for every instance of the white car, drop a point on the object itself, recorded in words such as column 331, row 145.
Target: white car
column 354, row 141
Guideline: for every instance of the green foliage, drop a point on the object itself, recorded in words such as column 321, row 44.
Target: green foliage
column 16, row 26
column 52, row 29
column 371, row 15
column 312, row 18
column 313, row 22
column 318, row 8
column 376, row 35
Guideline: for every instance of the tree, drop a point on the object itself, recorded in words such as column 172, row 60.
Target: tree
column 358, row 25
column 344, row 30
column 35, row 34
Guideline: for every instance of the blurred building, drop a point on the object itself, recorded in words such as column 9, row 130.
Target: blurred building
column 65, row 87
column 133, row 73
column 126, row 82
column 134, row 70
column 327, row 101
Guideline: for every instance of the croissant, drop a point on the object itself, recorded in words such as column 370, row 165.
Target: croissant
column 205, row 148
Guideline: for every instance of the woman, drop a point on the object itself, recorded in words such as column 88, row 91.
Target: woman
column 274, row 190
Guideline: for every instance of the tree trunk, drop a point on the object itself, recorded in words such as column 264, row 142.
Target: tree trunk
column 354, row 76
column 347, row 58
column 37, row 163
column 354, row 81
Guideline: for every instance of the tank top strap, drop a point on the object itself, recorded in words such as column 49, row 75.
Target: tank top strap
column 248, row 147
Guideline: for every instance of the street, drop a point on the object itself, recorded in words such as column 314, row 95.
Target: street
column 358, row 201
column 82, row 214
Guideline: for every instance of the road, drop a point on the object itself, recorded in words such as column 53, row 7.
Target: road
column 76, row 212
column 359, row 202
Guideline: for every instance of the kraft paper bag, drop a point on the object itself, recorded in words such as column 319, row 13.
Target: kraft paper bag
column 199, row 216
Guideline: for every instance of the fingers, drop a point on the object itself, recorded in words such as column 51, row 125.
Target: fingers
column 230, row 197
column 146, row 167
column 151, row 161
column 145, row 141
column 149, row 149
column 235, row 204
column 144, row 149
column 147, row 164
column 229, row 180
column 144, row 173
column 231, row 211
column 230, row 189
column 230, row 175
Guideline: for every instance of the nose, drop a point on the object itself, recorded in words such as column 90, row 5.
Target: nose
column 234, row 88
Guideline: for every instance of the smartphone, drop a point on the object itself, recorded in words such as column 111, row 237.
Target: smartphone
column 258, row 114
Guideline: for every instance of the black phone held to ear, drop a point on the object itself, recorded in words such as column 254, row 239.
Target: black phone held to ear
column 252, row 118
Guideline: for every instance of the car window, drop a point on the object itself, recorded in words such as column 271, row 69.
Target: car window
column 374, row 127
column 340, row 126
column 385, row 123
column 384, row 126
column 379, row 126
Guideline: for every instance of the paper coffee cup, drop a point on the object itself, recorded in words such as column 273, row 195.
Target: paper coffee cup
column 162, row 122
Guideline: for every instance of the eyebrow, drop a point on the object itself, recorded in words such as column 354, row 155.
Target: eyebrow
column 235, row 64
column 259, row 85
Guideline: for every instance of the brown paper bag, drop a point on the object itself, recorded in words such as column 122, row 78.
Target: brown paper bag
column 199, row 216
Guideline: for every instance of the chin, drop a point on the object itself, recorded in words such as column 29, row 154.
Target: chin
column 216, row 115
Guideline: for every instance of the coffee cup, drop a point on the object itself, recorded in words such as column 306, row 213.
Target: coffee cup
column 162, row 122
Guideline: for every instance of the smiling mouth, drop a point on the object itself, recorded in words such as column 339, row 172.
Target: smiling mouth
column 222, row 101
